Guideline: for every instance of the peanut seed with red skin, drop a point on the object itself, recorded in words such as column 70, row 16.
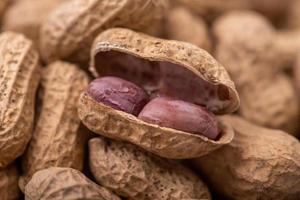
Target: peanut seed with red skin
column 180, row 115
column 118, row 94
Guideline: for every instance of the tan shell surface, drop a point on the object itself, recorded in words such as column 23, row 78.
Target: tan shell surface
column 165, row 142
column 296, row 75
column 26, row 16
column 254, row 64
column 9, row 189
column 138, row 175
column 19, row 76
column 288, row 44
column 273, row 9
column 58, row 138
column 214, row 7
column 183, row 25
column 238, row 48
column 3, row 4
column 259, row 163
column 69, row 31
column 293, row 15
column 271, row 103
column 187, row 56
column 64, row 183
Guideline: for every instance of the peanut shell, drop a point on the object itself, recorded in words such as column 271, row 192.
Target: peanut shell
column 138, row 175
column 26, row 16
column 271, row 103
column 19, row 77
column 144, row 50
column 9, row 189
column 288, row 44
column 70, row 29
column 3, row 5
column 259, row 163
column 58, row 139
column 64, row 183
column 183, row 25
column 293, row 15
column 255, row 65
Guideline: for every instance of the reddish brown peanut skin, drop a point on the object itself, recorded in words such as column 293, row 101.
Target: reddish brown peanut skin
column 180, row 115
column 26, row 16
column 69, row 31
column 58, row 139
column 138, row 175
column 64, row 183
column 119, row 94
column 19, row 77
column 255, row 64
column 259, row 163
column 9, row 189
column 182, row 24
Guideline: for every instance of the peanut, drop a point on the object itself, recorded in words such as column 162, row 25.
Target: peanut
column 64, row 183
column 166, row 68
column 58, row 139
column 119, row 94
column 180, row 115
column 182, row 24
column 296, row 75
column 9, row 189
column 26, row 16
column 254, row 63
column 273, row 9
column 288, row 44
column 137, row 175
column 3, row 5
column 260, row 164
column 19, row 76
column 69, row 31
column 293, row 15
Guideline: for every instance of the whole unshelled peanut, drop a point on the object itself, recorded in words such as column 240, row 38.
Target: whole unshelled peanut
column 69, row 31
column 260, row 164
column 58, row 139
column 9, row 189
column 134, row 174
column 26, row 16
column 254, row 63
column 64, row 183
column 288, row 44
column 181, row 24
column 274, row 9
column 296, row 75
column 3, row 5
column 19, row 77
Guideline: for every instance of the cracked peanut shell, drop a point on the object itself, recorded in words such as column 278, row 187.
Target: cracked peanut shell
column 138, row 175
column 69, row 31
column 143, row 59
column 259, row 163
column 59, row 138
column 64, row 183
column 19, row 77
column 9, row 189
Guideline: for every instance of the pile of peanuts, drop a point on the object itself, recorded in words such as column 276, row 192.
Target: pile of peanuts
column 150, row 99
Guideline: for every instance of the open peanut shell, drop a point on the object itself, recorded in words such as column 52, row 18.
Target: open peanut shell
column 161, row 67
